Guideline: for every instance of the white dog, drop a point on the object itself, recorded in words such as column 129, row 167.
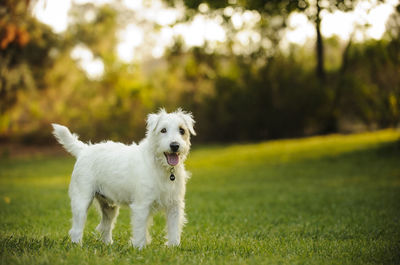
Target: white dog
column 147, row 176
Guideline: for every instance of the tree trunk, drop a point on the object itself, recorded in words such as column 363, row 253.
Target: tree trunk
column 333, row 120
column 320, row 45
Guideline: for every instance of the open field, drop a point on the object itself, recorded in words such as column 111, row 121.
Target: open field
column 320, row 200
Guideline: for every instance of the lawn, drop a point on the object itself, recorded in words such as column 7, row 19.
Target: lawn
column 320, row 200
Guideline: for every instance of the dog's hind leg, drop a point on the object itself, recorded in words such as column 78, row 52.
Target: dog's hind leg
column 79, row 207
column 109, row 214
column 149, row 224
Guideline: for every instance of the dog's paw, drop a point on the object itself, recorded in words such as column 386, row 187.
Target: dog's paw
column 139, row 244
column 107, row 241
column 105, row 237
column 77, row 242
column 76, row 237
column 172, row 243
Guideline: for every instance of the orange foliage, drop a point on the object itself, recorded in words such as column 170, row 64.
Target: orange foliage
column 11, row 33
column 23, row 37
column 8, row 35
column 12, row 28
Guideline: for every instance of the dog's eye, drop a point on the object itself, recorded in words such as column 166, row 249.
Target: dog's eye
column 163, row 130
column 181, row 131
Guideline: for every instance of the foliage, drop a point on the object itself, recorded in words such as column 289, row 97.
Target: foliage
column 270, row 8
column 321, row 200
column 372, row 86
column 261, row 94
column 25, row 46
column 235, row 99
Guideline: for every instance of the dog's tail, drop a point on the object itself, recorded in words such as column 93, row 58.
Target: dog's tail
column 68, row 140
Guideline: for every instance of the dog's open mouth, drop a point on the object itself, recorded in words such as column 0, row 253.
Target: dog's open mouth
column 172, row 158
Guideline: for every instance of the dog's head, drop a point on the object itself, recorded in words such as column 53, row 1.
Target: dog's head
column 169, row 134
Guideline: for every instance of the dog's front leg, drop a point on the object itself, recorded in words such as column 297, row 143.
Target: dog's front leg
column 175, row 221
column 140, row 215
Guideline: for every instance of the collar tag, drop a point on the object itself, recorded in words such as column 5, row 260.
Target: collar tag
column 172, row 176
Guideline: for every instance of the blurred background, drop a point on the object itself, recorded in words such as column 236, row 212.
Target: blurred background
column 247, row 69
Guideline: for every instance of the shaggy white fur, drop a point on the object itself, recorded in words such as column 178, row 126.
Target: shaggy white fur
column 135, row 175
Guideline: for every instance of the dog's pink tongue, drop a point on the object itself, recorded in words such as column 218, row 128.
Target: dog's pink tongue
column 172, row 159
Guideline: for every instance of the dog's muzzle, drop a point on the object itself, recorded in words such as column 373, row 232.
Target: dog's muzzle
column 173, row 156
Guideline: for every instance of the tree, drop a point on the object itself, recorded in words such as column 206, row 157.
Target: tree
column 284, row 8
column 24, row 51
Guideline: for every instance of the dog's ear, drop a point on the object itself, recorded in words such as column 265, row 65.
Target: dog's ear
column 153, row 119
column 152, row 122
column 188, row 119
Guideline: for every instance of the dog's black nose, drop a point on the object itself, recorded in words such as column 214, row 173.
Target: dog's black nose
column 174, row 146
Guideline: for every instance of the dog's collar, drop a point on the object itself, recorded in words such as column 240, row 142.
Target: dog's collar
column 172, row 176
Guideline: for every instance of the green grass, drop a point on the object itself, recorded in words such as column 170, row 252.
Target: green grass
column 321, row 200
